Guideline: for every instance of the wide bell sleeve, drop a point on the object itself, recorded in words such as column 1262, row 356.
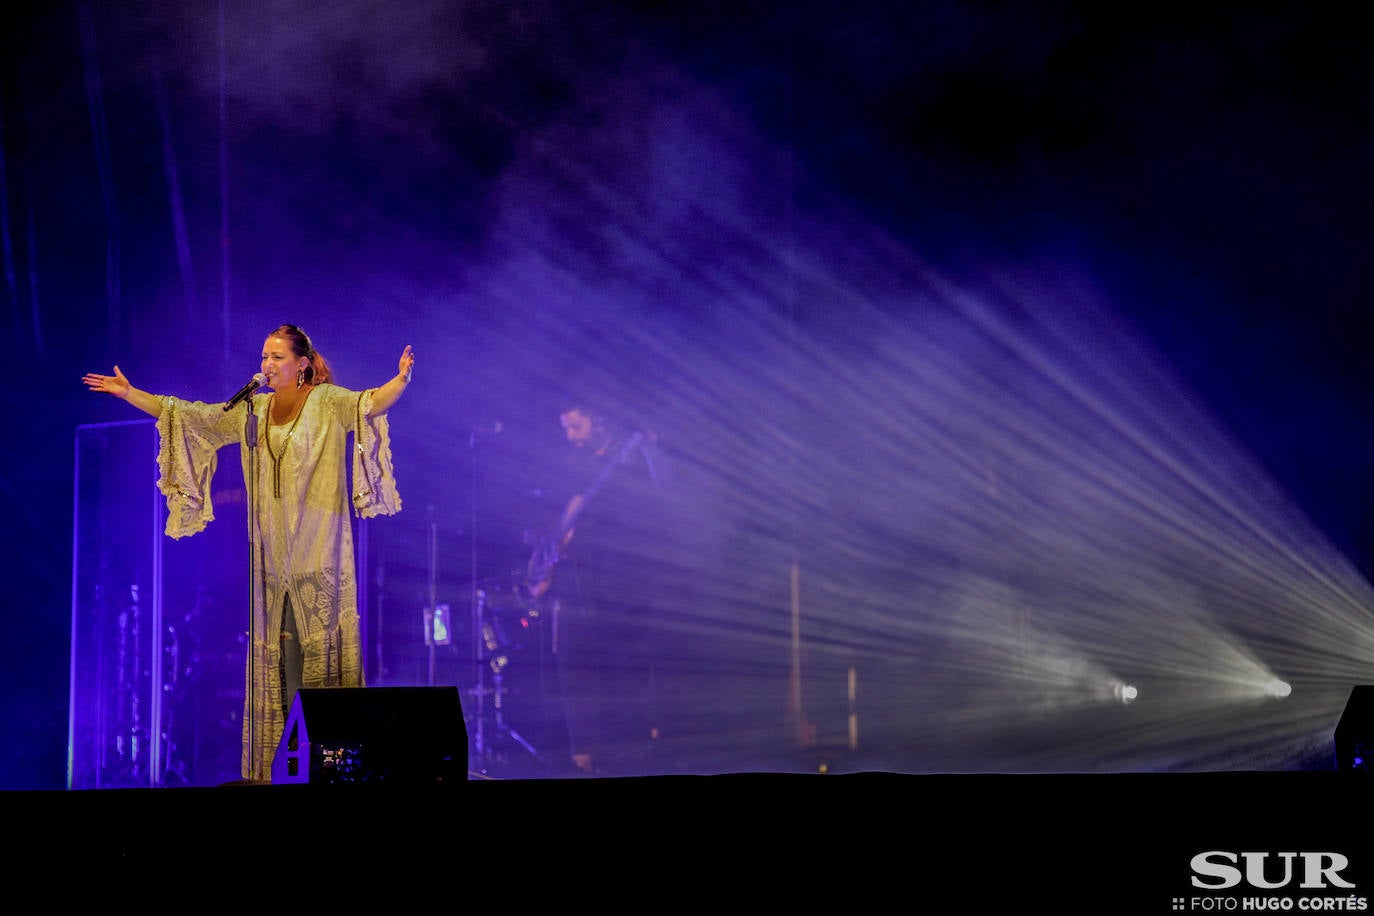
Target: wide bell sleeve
column 374, row 479
column 190, row 435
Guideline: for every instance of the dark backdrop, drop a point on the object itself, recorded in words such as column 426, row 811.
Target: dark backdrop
column 779, row 232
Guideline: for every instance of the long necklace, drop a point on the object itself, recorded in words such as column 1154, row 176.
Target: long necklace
column 276, row 459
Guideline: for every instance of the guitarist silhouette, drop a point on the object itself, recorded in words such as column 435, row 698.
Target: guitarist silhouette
column 591, row 570
column 549, row 550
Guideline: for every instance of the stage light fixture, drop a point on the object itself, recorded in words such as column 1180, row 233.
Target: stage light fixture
column 1126, row 693
column 1278, row 689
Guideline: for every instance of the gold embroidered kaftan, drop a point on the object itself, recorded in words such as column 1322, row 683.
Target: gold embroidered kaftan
column 302, row 540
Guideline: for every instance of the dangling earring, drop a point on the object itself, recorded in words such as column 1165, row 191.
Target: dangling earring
column 300, row 378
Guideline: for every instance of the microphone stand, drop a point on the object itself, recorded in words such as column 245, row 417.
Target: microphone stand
column 250, row 440
column 476, row 601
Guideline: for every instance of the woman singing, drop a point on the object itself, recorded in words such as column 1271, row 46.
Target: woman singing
column 293, row 444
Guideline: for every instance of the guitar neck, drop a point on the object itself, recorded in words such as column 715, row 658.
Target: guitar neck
column 579, row 502
column 539, row 569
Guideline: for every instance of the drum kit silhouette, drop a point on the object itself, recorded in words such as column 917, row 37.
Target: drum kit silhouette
column 510, row 637
column 512, row 674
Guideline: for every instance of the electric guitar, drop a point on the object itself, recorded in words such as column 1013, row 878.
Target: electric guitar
column 549, row 551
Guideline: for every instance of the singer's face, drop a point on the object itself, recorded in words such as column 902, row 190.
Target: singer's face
column 279, row 364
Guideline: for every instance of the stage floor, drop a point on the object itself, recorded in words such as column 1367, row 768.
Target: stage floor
column 1064, row 843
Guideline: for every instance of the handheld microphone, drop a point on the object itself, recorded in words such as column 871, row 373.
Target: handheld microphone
column 488, row 429
column 254, row 384
column 484, row 432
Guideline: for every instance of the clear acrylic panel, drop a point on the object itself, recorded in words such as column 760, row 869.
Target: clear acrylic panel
column 157, row 642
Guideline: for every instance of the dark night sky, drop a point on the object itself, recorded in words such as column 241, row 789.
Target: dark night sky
column 1205, row 164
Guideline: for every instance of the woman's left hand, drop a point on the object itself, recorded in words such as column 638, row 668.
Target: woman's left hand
column 407, row 364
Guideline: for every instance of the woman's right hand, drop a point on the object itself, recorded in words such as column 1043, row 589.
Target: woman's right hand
column 116, row 384
column 119, row 386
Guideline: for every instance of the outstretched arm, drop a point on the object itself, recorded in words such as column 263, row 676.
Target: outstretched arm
column 391, row 392
column 119, row 386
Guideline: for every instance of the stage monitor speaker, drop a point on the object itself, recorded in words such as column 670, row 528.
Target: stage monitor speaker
column 1355, row 731
column 410, row 735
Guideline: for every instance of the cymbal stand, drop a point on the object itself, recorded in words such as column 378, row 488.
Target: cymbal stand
column 496, row 663
column 485, row 636
column 436, row 615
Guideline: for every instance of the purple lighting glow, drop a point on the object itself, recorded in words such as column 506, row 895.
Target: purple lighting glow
column 939, row 501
